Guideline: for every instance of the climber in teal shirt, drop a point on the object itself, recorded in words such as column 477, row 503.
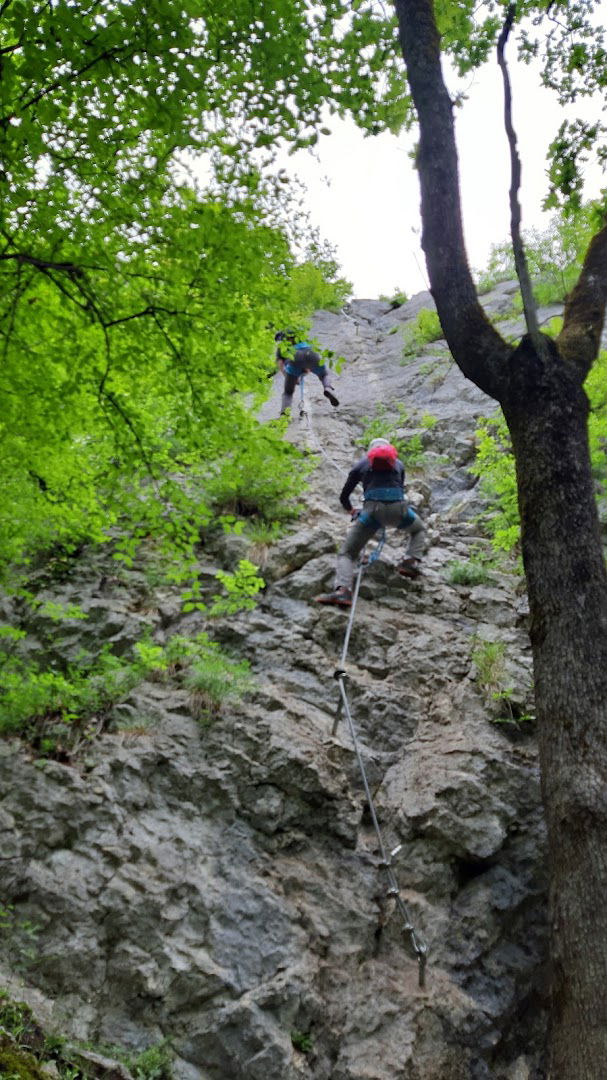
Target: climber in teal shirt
column 300, row 359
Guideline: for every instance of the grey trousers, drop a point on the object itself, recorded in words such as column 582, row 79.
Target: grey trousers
column 290, row 384
column 396, row 514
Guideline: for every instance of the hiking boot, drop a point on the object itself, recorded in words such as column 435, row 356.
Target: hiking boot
column 331, row 396
column 340, row 597
column 409, row 568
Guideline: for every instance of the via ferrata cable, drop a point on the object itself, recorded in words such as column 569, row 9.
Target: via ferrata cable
column 418, row 945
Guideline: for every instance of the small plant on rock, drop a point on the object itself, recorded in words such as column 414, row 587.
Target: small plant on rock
column 396, row 300
column 424, row 329
column 241, row 589
column 155, row 1063
column 467, row 573
column 214, row 679
column 302, row 1041
column 489, row 658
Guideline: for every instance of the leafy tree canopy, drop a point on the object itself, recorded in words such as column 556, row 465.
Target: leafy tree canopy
column 138, row 304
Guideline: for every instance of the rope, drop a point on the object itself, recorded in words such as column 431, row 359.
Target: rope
column 303, row 414
column 418, row 945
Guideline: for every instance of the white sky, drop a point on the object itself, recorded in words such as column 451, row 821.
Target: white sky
column 363, row 194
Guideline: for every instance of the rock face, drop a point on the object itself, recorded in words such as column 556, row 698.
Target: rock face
column 220, row 886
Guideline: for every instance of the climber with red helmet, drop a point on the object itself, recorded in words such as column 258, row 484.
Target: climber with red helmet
column 295, row 359
column 382, row 476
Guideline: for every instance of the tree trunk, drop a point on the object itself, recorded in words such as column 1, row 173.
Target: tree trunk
column 540, row 387
column 546, row 410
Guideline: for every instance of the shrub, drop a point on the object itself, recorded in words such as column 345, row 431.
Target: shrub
column 467, row 573
column 396, row 300
column 425, row 328
column 315, row 287
column 214, row 679
column 58, row 711
column 261, row 480
column 155, row 1063
column 494, row 463
column 241, row 588
column 488, row 658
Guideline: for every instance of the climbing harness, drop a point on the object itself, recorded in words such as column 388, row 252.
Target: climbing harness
column 387, row 857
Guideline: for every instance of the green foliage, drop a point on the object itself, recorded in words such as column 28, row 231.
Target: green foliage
column 316, row 284
column 302, row 1041
column 241, row 588
column 155, row 1063
column 387, row 423
column 19, row 937
column 468, row 573
column 15, row 1016
column 60, row 710
column 18, row 1064
column 396, row 300
column 263, row 533
column 508, row 714
column 260, row 477
column 213, row 680
column 554, row 256
column 137, row 303
column 425, row 328
column 488, row 658
column 553, row 327
column 26, row 1053
column 494, row 463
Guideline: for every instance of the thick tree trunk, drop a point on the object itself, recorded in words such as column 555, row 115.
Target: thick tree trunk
column 546, row 410
column 540, row 386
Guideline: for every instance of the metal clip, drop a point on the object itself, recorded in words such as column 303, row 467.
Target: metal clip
column 421, row 963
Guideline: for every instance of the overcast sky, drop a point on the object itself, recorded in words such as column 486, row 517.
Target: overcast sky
column 363, row 194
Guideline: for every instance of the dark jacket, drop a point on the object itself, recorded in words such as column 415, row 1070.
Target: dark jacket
column 386, row 485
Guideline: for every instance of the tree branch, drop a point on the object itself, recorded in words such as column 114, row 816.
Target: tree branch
column 62, row 289
column 520, row 259
column 107, row 54
column 151, row 309
column 579, row 340
column 42, row 264
column 112, row 399
column 479, row 351
column 180, row 359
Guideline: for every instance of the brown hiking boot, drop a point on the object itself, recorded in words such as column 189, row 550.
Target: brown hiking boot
column 340, row 597
column 409, row 568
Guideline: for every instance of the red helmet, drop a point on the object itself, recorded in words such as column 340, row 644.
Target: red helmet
column 383, row 456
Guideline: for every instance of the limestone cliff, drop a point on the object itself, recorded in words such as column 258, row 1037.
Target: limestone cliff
column 220, row 886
